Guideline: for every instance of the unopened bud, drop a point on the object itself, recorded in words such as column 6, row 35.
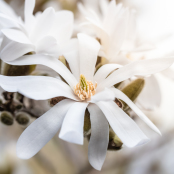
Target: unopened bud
column 23, row 118
column 87, row 123
column 133, row 90
column 14, row 70
column 7, row 118
column 55, row 100
column 114, row 142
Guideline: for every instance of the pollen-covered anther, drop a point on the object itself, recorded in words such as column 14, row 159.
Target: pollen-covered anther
column 85, row 89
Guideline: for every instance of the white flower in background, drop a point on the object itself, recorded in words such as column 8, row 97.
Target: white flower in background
column 110, row 27
column 85, row 90
column 45, row 33
column 115, row 27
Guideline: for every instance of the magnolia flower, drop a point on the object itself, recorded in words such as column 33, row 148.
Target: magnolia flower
column 116, row 29
column 86, row 90
column 45, row 33
column 110, row 26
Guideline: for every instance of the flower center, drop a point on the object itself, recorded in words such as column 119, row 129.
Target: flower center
column 84, row 89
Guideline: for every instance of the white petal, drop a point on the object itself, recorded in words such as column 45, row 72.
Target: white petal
column 99, row 137
column 42, row 130
column 88, row 51
column 47, row 45
column 123, row 97
column 150, row 97
column 14, row 50
column 37, row 87
column 104, row 95
column 126, row 129
column 63, row 26
column 117, row 38
column 43, row 25
column 72, row 127
column 104, row 71
column 8, row 22
column 51, row 62
column 141, row 68
column 28, row 12
column 16, row 35
column 6, row 9
column 5, row 41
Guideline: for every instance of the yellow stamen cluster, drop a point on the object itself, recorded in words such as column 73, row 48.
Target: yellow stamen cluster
column 84, row 89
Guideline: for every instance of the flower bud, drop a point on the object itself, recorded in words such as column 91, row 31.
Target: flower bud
column 7, row 118
column 87, row 123
column 133, row 90
column 23, row 118
column 55, row 100
column 14, row 70
column 114, row 142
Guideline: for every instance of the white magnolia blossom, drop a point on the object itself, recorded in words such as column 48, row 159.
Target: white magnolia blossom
column 109, row 26
column 115, row 27
column 45, row 33
column 69, row 113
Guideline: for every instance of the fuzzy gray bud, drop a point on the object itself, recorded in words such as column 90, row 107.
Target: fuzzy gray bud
column 7, row 118
column 23, row 118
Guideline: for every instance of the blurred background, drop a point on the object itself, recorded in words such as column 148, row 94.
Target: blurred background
column 155, row 22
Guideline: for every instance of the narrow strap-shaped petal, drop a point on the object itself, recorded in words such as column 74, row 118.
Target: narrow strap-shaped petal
column 88, row 51
column 37, row 87
column 126, row 129
column 72, row 127
column 123, row 97
column 14, row 50
column 42, row 130
column 104, row 71
column 48, row 61
column 16, row 35
column 141, row 67
column 99, row 137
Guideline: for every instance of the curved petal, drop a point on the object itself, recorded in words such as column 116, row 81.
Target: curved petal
column 104, row 95
column 104, row 71
column 42, row 130
column 37, row 87
column 99, row 137
column 150, row 97
column 123, row 97
column 48, row 61
column 16, row 35
column 72, row 127
column 8, row 22
column 14, row 50
column 126, row 129
column 43, row 25
column 88, row 51
column 141, row 67
column 47, row 45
